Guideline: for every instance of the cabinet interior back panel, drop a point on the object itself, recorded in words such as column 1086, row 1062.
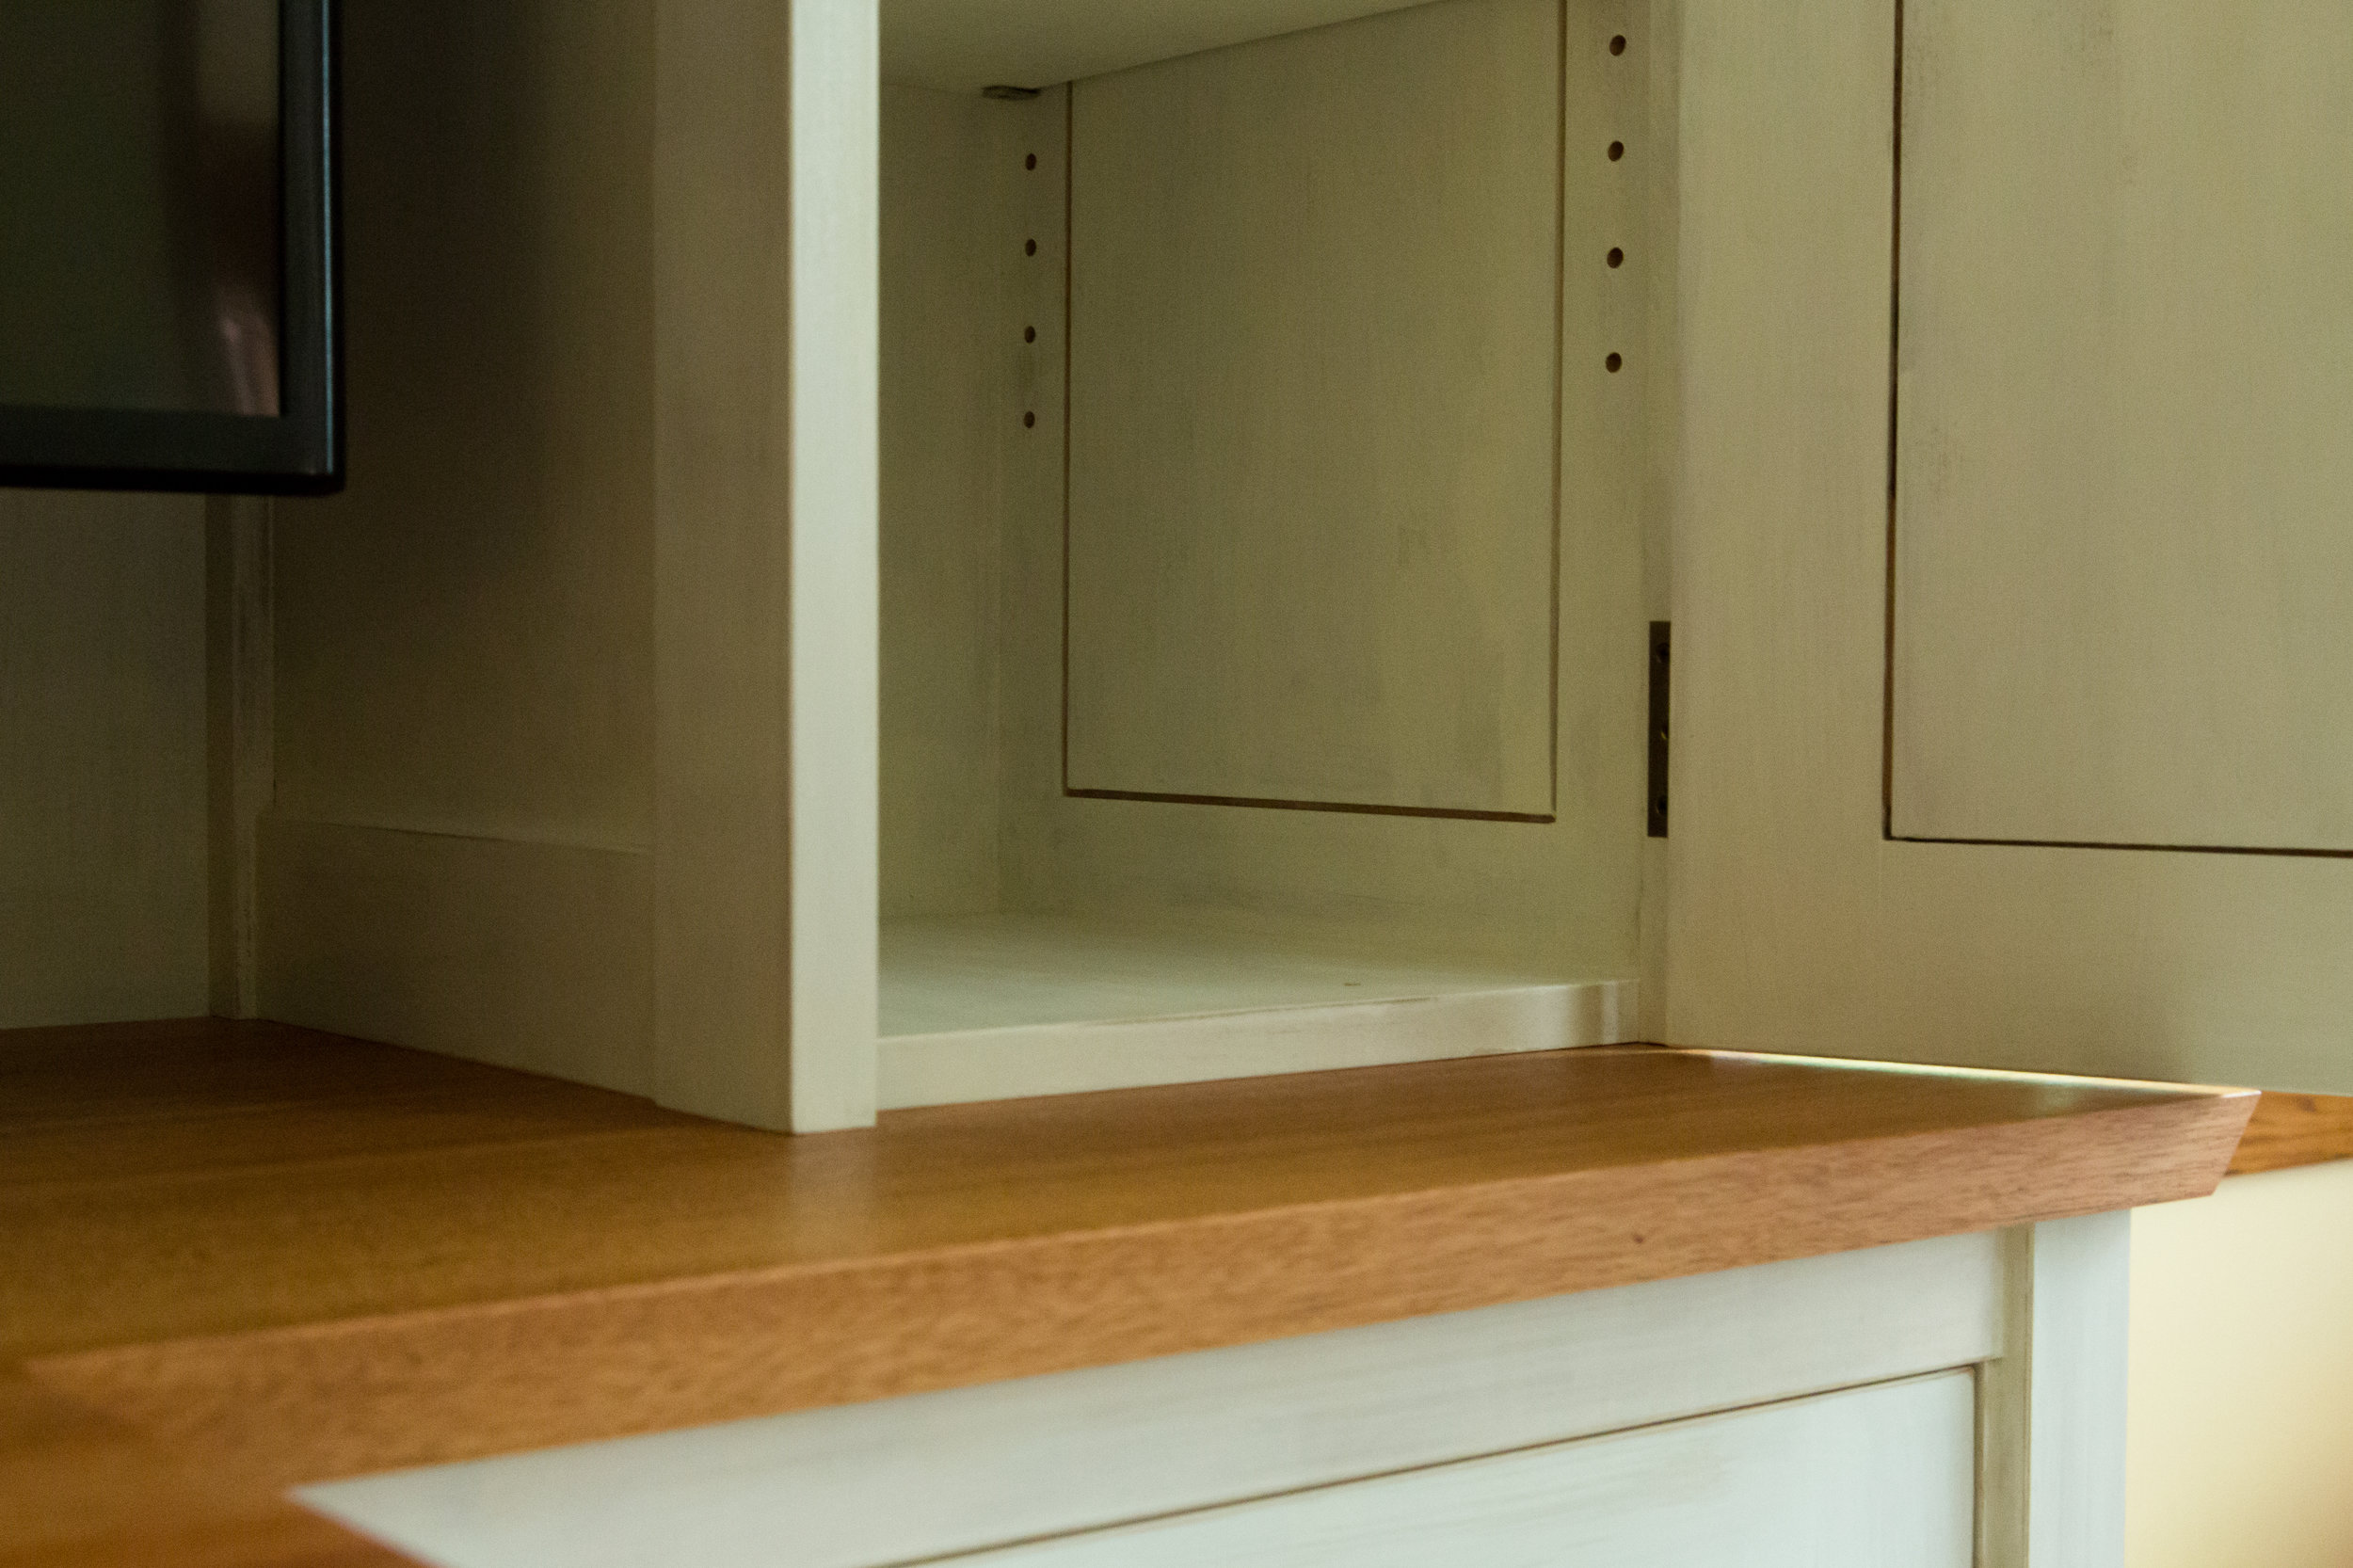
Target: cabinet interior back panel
column 1314, row 417
column 2124, row 564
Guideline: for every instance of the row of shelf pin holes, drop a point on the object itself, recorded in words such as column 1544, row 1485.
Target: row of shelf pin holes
column 1616, row 257
column 1614, row 363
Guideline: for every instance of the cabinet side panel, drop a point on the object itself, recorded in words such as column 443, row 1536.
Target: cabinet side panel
column 463, row 638
column 464, row 635
column 764, row 842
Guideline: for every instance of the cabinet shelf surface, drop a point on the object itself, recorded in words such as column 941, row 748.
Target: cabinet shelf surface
column 991, row 1006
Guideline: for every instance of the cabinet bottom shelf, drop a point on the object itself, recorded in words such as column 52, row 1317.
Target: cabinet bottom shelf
column 999, row 1006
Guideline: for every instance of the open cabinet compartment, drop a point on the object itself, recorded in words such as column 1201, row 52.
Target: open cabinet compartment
column 1264, row 591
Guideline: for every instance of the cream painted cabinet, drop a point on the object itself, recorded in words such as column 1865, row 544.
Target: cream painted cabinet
column 1043, row 546
column 1058, row 547
column 2010, row 564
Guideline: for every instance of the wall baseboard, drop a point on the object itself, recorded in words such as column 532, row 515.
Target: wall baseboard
column 530, row 955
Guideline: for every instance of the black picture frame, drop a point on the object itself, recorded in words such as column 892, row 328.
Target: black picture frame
column 301, row 450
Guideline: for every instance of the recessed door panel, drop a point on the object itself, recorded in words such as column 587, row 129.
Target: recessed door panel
column 1314, row 417
column 2123, row 573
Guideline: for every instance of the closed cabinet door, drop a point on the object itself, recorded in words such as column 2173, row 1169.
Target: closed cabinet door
column 2013, row 577
column 1875, row 1478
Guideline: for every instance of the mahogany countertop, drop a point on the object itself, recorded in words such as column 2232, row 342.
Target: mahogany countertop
column 299, row 1257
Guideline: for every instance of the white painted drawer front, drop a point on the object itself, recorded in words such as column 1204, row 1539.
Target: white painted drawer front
column 1873, row 1478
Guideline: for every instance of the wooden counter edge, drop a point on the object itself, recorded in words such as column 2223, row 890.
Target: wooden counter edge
column 285, row 1406
column 2288, row 1131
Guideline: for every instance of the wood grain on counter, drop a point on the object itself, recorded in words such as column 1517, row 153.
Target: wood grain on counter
column 2296, row 1129
column 300, row 1256
column 78, row 1489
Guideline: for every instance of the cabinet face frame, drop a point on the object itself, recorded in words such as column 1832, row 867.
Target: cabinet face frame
column 1795, row 922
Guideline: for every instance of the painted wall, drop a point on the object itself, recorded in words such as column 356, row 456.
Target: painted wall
column 101, row 758
column 465, row 635
column 2241, row 1427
